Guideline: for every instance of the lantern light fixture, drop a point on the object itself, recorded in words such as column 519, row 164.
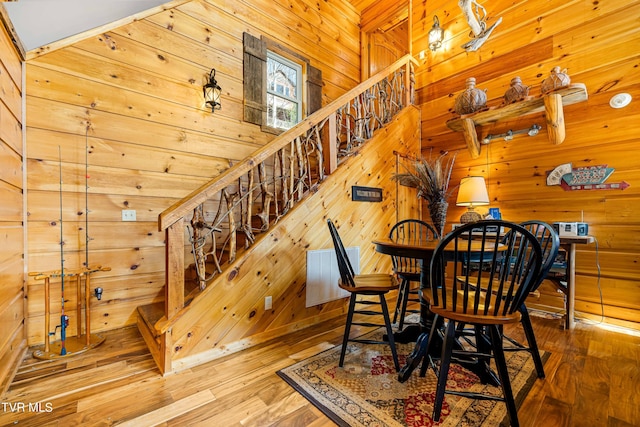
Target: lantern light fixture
column 436, row 34
column 211, row 92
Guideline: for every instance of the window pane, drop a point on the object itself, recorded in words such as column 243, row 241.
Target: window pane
column 281, row 78
column 284, row 97
column 281, row 113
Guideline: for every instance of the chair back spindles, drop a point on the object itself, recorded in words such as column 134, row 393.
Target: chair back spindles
column 410, row 232
column 510, row 267
column 549, row 244
column 344, row 265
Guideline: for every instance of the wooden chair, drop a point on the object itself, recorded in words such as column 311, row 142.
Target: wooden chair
column 363, row 285
column 409, row 231
column 487, row 298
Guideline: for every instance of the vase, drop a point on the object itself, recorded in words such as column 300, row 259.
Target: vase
column 558, row 79
column 516, row 92
column 438, row 214
column 471, row 99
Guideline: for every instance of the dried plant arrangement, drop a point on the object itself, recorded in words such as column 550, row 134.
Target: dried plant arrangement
column 431, row 177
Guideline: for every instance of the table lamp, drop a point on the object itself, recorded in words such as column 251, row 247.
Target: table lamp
column 472, row 192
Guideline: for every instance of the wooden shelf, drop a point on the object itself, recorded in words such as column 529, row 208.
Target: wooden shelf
column 552, row 104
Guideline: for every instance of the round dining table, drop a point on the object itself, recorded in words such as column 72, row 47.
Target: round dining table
column 419, row 333
column 423, row 252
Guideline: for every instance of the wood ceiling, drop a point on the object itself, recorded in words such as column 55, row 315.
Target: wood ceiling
column 361, row 5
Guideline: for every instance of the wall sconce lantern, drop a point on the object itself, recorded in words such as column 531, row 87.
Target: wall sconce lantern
column 436, row 35
column 211, row 92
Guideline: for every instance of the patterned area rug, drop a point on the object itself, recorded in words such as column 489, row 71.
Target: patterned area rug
column 366, row 392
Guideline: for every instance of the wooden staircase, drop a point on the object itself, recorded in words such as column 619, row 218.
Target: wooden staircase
column 217, row 313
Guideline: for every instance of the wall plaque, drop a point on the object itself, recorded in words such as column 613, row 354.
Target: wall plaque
column 366, row 194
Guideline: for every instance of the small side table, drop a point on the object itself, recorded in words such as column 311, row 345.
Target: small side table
column 568, row 244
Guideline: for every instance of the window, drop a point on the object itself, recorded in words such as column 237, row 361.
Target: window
column 276, row 89
column 284, row 98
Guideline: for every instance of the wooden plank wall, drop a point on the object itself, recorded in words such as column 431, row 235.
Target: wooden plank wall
column 133, row 96
column 12, row 309
column 597, row 42
column 276, row 265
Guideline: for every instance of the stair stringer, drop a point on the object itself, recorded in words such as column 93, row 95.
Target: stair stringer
column 229, row 314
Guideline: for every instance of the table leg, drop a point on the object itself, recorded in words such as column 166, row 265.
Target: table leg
column 571, row 286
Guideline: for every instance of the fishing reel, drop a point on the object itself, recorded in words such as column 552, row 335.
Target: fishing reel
column 64, row 323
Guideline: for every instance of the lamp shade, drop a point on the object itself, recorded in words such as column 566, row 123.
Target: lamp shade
column 472, row 192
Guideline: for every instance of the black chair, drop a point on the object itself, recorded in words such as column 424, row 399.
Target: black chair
column 367, row 285
column 409, row 231
column 487, row 298
column 550, row 244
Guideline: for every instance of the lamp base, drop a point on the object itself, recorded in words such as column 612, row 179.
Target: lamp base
column 470, row 216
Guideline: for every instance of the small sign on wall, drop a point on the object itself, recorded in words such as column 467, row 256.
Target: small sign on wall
column 583, row 178
column 366, row 194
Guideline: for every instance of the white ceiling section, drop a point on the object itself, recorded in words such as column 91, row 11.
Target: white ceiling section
column 40, row 22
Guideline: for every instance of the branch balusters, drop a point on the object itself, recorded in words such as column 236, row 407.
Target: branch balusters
column 273, row 184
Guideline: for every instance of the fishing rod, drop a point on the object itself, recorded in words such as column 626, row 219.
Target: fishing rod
column 86, row 196
column 64, row 319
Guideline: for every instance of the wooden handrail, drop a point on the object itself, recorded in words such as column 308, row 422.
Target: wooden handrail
column 187, row 204
column 355, row 116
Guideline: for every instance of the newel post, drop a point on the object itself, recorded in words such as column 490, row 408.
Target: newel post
column 329, row 145
column 408, row 84
column 174, row 269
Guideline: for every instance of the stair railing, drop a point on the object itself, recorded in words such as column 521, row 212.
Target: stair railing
column 230, row 211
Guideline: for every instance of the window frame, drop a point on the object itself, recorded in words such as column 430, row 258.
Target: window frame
column 298, row 99
column 255, row 81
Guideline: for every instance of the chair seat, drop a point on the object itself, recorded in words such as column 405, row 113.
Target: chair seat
column 371, row 283
column 460, row 315
column 476, row 319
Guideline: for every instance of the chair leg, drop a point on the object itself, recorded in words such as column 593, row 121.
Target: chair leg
column 433, row 336
column 405, row 300
column 445, row 361
column 531, row 340
column 387, row 323
column 503, row 373
column 347, row 328
column 401, row 302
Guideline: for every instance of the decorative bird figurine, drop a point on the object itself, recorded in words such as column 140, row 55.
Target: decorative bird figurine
column 477, row 22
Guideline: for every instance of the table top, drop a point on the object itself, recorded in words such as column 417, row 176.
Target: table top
column 565, row 240
column 424, row 250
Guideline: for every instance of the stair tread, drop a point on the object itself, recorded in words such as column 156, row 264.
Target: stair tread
column 151, row 313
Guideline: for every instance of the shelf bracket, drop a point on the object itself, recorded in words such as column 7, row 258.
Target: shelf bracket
column 555, row 118
column 471, row 137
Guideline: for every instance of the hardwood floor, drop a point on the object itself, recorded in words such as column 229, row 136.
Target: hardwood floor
column 592, row 378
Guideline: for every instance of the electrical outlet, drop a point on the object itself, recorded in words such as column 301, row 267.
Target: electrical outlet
column 268, row 303
column 128, row 215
